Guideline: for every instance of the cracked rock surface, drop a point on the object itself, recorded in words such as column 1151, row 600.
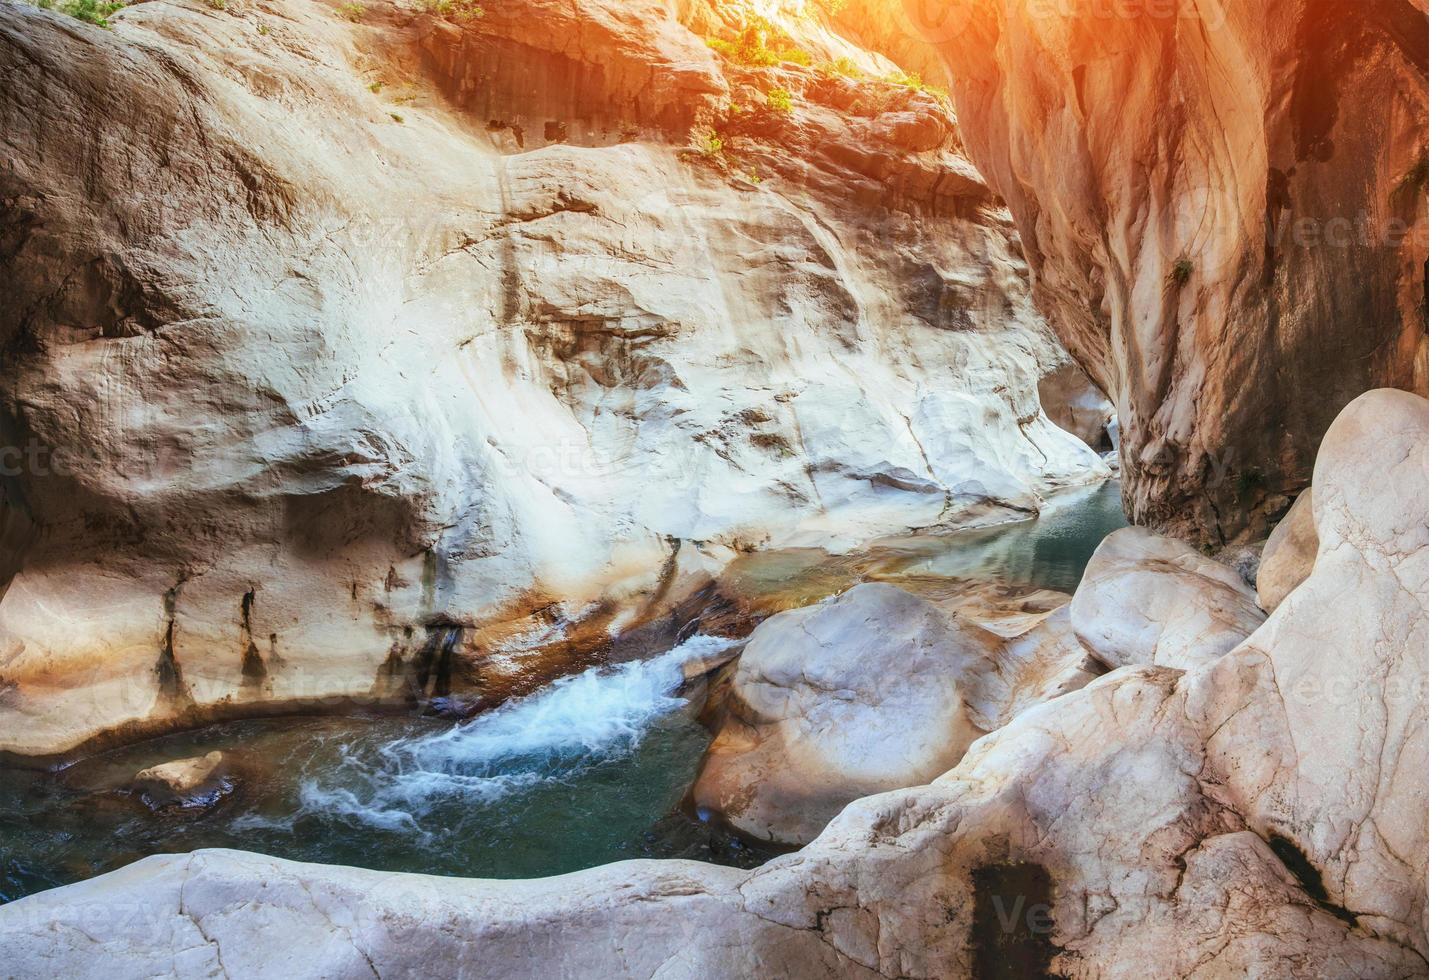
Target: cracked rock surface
column 1149, row 599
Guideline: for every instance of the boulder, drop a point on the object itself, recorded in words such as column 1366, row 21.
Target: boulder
column 1259, row 814
column 1289, row 555
column 1149, row 599
column 852, row 696
column 189, row 783
column 873, row 690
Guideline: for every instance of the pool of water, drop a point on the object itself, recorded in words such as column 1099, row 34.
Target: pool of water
column 591, row 769
column 1050, row 552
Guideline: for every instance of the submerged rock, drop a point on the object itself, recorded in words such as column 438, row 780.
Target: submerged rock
column 1152, row 600
column 189, row 783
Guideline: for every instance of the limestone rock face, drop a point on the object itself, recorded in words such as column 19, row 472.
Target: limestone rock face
column 426, row 376
column 873, row 690
column 1222, row 205
column 1258, row 814
column 1289, row 554
column 1149, row 599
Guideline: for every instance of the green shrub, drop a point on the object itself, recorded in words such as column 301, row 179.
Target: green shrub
column 1181, row 272
column 780, row 100
column 396, row 117
column 352, row 11
column 914, row 81
column 761, row 45
column 707, row 143
column 96, row 12
column 840, row 66
column 456, row 10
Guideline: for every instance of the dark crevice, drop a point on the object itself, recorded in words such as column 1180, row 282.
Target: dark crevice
column 1298, row 864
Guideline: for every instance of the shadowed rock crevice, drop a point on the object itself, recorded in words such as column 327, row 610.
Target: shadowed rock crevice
column 1298, row 864
column 1013, row 923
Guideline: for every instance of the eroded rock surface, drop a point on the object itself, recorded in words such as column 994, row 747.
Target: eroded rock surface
column 386, row 357
column 1222, row 203
column 1289, row 554
column 1149, row 599
column 853, row 696
column 875, row 689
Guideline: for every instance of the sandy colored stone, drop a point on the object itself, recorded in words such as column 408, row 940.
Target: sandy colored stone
column 1289, row 555
column 333, row 338
column 1257, row 814
column 872, row 690
column 195, row 782
column 1149, row 599
column 1220, row 201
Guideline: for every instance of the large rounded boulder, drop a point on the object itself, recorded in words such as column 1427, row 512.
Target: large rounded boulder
column 856, row 695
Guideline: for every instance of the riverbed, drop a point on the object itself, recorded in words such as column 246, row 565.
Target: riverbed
column 593, row 768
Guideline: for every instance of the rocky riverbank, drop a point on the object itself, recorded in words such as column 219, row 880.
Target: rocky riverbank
column 1255, row 810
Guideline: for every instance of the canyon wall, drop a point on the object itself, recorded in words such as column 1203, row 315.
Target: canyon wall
column 1223, row 207
column 365, row 354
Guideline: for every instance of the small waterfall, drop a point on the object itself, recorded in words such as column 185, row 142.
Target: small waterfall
column 558, row 733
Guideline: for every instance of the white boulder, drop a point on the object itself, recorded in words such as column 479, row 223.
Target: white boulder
column 1149, row 599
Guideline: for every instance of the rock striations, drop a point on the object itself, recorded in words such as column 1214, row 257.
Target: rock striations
column 1223, row 206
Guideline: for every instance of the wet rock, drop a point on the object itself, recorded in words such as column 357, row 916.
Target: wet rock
column 188, row 783
column 1289, row 555
column 1149, row 599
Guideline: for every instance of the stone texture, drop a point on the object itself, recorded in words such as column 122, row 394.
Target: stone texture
column 850, row 697
column 397, row 358
column 197, row 782
column 1221, row 204
column 1149, row 599
column 1259, row 814
column 872, row 690
column 1289, row 554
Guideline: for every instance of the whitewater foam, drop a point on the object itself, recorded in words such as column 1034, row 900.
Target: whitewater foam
column 574, row 724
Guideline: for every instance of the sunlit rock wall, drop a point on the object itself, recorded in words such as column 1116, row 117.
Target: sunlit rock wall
column 401, row 357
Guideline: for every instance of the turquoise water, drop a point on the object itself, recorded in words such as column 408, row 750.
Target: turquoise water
column 592, row 769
